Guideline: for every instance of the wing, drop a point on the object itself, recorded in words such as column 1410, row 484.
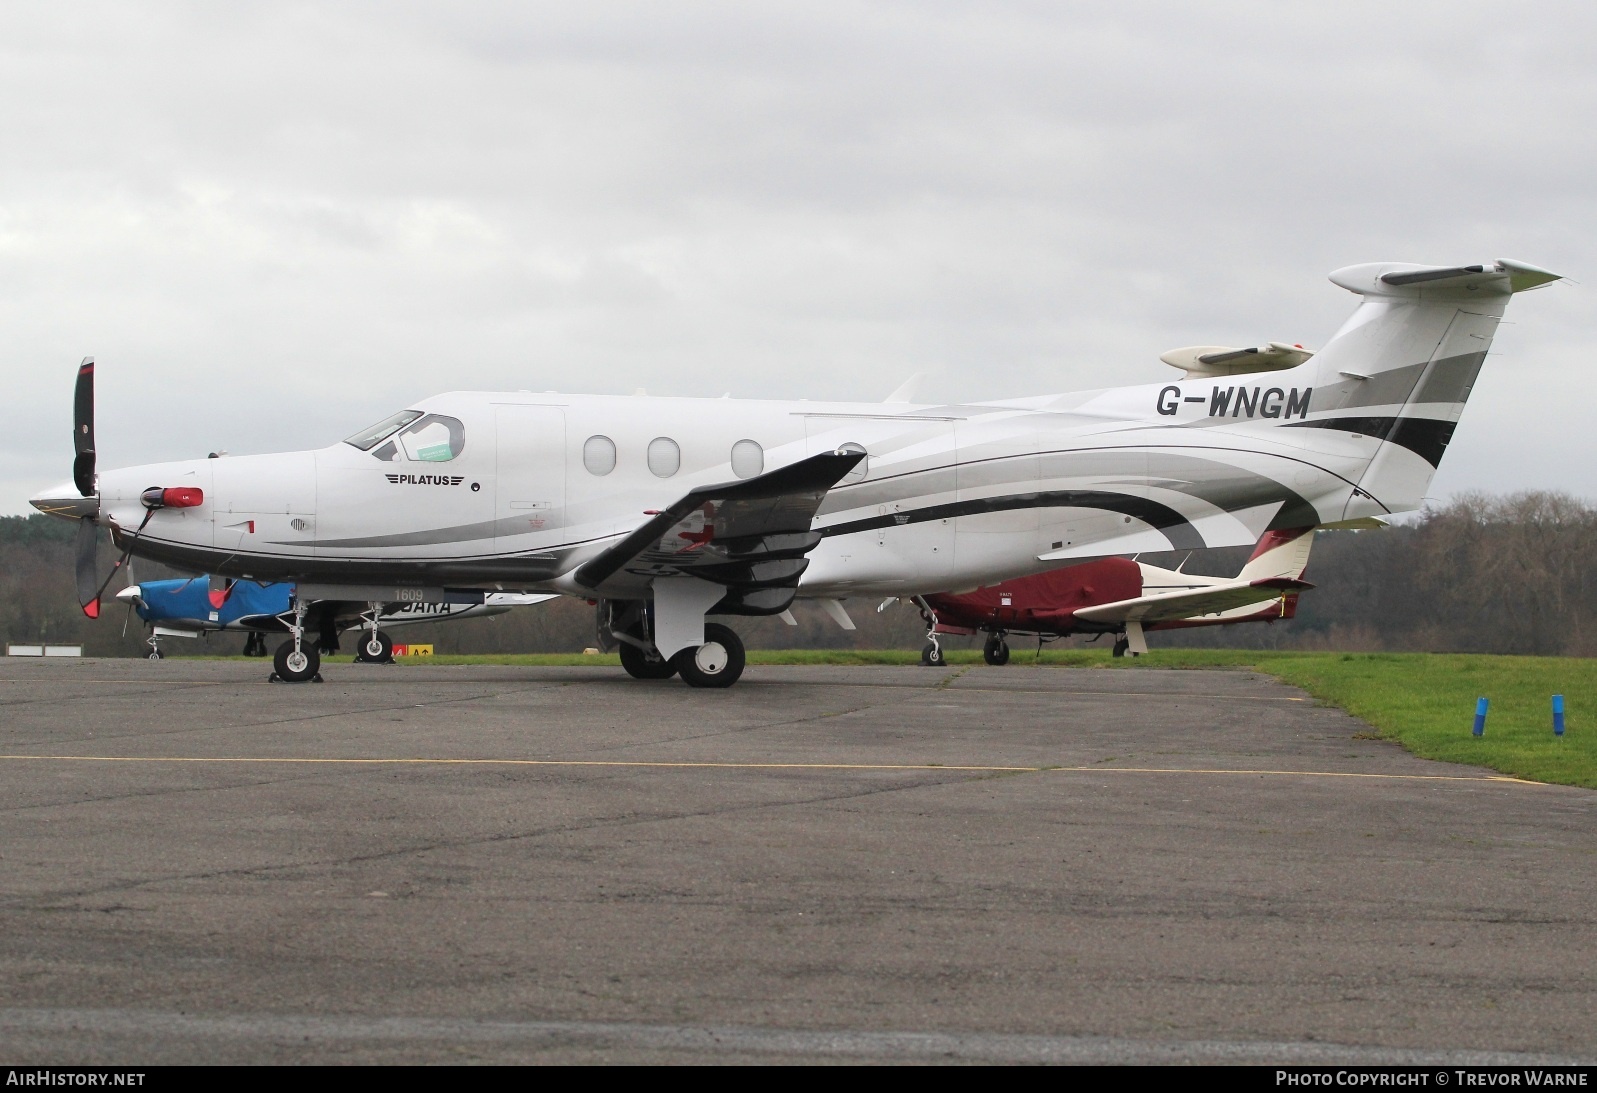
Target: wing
column 750, row 536
column 1193, row 603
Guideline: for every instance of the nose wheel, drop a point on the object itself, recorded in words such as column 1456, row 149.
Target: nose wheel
column 297, row 665
column 297, row 660
column 931, row 655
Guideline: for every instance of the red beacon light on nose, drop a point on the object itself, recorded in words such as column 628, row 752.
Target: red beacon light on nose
column 172, row 497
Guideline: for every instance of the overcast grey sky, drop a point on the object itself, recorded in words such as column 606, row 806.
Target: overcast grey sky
column 274, row 223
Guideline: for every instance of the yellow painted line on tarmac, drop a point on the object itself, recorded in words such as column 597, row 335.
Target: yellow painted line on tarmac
column 702, row 765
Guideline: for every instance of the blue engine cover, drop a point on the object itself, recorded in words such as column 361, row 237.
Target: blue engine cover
column 186, row 604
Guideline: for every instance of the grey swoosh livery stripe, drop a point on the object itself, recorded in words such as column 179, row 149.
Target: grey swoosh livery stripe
column 1176, row 528
column 1449, row 381
column 1226, row 487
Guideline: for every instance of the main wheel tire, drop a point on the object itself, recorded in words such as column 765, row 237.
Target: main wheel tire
column 717, row 663
column 645, row 665
column 995, row 652
column 932, row 655
column 155, row 654
column 1121, row 645
column 375, row 649
column 297, row 667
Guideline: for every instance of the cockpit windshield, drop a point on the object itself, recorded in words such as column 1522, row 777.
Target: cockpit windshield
column 367, row 439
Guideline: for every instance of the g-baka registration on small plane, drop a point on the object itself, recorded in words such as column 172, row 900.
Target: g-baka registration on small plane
column 179, row 608
column 669, row 511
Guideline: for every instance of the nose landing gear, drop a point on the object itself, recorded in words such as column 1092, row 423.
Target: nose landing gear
column 299, row 665
column 931, row 654
column 297, row 661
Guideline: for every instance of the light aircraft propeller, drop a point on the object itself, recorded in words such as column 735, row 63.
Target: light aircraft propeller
column 86, row 507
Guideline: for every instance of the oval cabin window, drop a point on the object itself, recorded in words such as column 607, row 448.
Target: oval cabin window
column 748, row 458
column 599, row 455
column 664, row 456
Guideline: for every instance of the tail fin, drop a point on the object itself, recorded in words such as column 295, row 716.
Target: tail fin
column 1279, row 554
column 1402, row 367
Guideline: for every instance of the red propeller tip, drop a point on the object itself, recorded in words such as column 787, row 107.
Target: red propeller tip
column 92, row 608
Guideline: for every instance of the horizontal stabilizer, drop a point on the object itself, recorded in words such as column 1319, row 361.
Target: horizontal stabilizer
column 1406, row 279
column 1192, row 603
column 1212, row 361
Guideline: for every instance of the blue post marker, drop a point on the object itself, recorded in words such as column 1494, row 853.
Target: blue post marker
column 1480, row 716
column 1558, row 715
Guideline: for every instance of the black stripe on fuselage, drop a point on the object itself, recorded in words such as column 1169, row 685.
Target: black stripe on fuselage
column 1176, row 528
column 1425, row 437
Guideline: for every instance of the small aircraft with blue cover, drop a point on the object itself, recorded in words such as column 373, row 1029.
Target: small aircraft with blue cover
column 196, row 606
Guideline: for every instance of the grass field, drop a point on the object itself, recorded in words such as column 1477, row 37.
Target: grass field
column 1424, row 701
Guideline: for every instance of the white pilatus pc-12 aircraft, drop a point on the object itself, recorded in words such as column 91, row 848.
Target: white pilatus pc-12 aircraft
column 668, row 511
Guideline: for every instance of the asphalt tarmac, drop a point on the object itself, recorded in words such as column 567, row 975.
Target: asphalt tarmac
column 823, row 863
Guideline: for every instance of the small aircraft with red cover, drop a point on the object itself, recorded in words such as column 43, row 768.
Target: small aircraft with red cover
column 1124, row 597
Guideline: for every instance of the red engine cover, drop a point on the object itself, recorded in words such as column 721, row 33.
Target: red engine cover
column 1043, row 603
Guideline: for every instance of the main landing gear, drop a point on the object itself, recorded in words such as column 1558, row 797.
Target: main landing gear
column 255, row 645
column 995, row 650
column 718, row 662
column 375, row 647
column 645, row 663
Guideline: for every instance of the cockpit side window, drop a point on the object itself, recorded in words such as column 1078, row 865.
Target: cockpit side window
column 433, row 439
column 367, row 439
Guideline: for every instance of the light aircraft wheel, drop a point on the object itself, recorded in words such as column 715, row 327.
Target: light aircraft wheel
column 642, row 665
column 375, row 649
column 1121, row 645
column 716, row 663
column 996, row 651
column 297, row 667
column 932, row 656
column 155, row 654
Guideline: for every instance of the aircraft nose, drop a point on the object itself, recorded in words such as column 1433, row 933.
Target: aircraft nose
column 65, row 501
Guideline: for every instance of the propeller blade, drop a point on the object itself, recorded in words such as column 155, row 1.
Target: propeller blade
column 83, row 429
column 88, row 567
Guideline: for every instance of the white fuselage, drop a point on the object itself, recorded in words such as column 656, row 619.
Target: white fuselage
column 950, row 497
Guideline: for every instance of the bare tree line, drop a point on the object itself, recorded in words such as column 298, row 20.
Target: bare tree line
column 1488, row 574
